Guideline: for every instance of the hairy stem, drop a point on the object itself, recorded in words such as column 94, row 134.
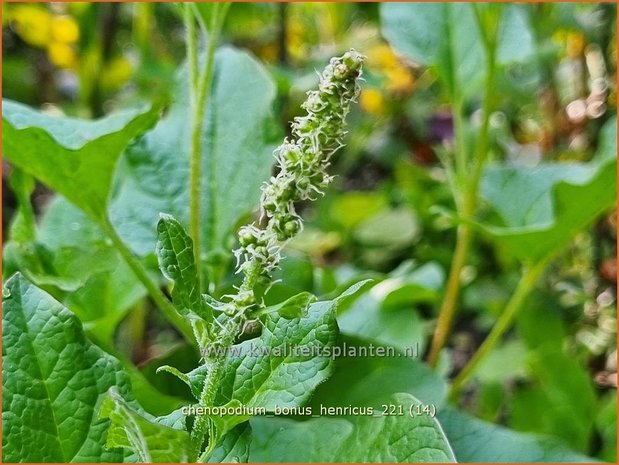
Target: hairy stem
column 200, row 89
column 466, row 206
column 154, row 291
column 207, row 398
column 526, row 284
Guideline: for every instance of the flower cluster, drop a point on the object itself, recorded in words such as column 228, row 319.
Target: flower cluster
column 302, row 174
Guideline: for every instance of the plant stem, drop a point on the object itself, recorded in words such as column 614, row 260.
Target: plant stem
column 466, row 206
column 207, row 398
column 525, row 285
column 448, row 306
column 155, row 293
column 201, row 88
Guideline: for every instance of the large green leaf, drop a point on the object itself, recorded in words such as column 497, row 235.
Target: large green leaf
column 377, row 438
column 74, row 157
column 447, row 37
column 54, row 380
column 289, row 359
column 152, row 440
column 474, row 440
column 260, row 376
column 365, row 381
column 545, row 206
column 237, row 146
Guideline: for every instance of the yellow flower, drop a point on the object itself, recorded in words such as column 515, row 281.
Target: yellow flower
column 32, row 24
column 64, row 29
column 61, row 55
column 399, row 80
column 117, row 72
column 372, row 101
column 381, row 56
column 575, row 43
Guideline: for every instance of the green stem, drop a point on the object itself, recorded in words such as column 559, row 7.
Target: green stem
column 466, row 208
column 448, row 306
column 201, row 87
column 154, row 291
column 526, row 284
column 207, row 398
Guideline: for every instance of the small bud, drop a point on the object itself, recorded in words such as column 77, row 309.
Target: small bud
column 292, row 227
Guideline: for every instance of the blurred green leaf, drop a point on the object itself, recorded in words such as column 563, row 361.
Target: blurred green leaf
column 386, row 314
column 545, row 206
column 606, row 422
column 446, row 36
column 106, row 288
column 80, row 155
column 473, row 440
column 350, row 208
column 394, row 228
column 369, row 381
column 237, row 143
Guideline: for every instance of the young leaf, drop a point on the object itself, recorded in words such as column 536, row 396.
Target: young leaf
column 355, row 439
column 194, row 379
column 236, row 160
column 150, row 440
column 294, row 307
column 175, row 255
column 80, row 155
column 53, row 380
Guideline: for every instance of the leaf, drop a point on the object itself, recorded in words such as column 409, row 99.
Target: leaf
column 234, row 447
column 265, row 371
column 366, row 381
column 194, row 379
column 142, row 434
column 474, row 440
column 369, row 381
column 22, row 226
column 446, row 36
column 545, row 206
column 395, row 228
column 176, row 262
column 385, row 314
column 104, row 287
column 355, row 439
column 80, row 155
column 54, row 380
column 556, row 378
column 237, row 145
column 294, row 307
